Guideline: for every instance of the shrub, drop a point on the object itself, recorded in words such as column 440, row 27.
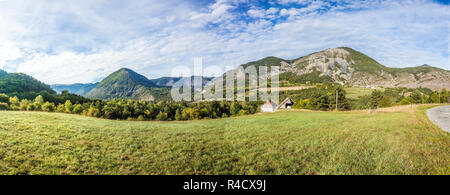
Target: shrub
column 77, row 109
column 48, row 107
column 242, row 112
column 4, row 98
column 161, row 116
column 406, row 101
column 4, row 106
column 68, row 107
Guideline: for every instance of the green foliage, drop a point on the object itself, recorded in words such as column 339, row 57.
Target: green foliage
column 302, row 104
column 39, row 100
column 178, row 115
column 68, row 106
column 48, row 107
column 4, row 106
column 77, row 109
column 128, row 84
column 417, row 96
column 444, row 95
column 161, row 116
column 406, row 101
column 320, row 98
column 22, row 85
column 234, row 109
column 364, row 63
column 4, row 98
column 268, row 61
column 2, row 73
column 433, row 98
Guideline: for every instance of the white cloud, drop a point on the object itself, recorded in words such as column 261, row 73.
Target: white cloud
column 270, row 13
column 87, row 41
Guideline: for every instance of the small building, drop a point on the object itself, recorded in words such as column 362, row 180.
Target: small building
column 269, row 106
column 286, row 104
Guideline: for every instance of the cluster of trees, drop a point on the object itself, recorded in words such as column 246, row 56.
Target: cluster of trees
column 134, row 110
column 322, row 97
column 400, row 96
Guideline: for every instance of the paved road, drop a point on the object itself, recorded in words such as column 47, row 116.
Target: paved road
column 440, row 116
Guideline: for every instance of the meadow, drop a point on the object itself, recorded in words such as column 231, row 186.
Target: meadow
column 399, row 140
column 356, row 92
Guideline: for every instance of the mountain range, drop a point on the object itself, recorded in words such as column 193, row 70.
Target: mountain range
column 341, row 65
column 346, row 66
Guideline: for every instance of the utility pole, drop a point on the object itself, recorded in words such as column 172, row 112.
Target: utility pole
column 439, row 97
column 337, row 100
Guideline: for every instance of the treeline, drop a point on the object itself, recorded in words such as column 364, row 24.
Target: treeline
column 322, row 97
column 399, row 96
column 135, row 110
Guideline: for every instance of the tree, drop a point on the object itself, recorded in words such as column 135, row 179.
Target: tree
column 64, row 92
column 60, row 108
column 93, row 111
column 234, row 108
column 416, row 96
column 385, row 101
column 434, row 97
column 68, row 106
column 38, row 101
column 24, row 104
column 406, row 101
column 14, row 100
column 48, row 107
column 161, row 116
column 178, row 115
column 375, row 99
column 77, row 109
column 444, row 95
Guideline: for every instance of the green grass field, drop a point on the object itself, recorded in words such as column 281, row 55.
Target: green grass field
column 289, row 142
column 356, row 92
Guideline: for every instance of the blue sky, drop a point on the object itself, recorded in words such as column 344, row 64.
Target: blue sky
column 83, row 41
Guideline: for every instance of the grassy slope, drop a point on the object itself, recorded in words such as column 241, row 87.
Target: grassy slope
column 278, row 143
column 356, row 92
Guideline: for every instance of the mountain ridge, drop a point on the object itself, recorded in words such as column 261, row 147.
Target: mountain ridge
column 346, row 66
column 124, row 83
column 22, row 85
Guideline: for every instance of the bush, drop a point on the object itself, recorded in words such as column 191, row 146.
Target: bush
column 161, row 116
column 406, row 101
column 48, row 107
column 4, row 106
column 4, row 98
column 78, row 109
column 242, row 112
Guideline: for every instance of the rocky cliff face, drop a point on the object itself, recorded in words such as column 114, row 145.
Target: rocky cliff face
column 347, row 66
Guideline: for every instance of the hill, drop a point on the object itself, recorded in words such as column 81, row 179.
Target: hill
column 78, row 88
column 126, row 83
column 344, row 65
column 22, row 85
column 385, row 142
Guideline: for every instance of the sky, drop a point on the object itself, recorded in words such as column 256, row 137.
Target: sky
column 83, row 41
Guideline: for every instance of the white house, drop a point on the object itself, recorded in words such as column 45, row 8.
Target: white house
column 269, row 106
